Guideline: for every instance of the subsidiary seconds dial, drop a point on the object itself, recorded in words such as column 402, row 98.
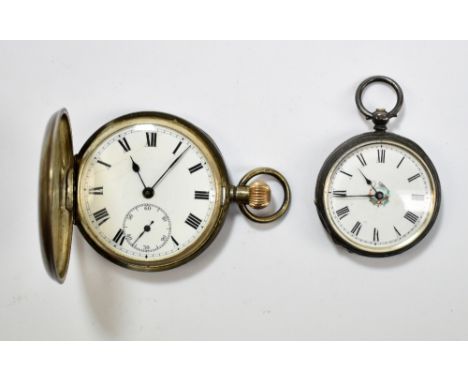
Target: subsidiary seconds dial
column 146, row 227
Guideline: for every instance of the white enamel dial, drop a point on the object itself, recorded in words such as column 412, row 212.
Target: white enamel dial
column 379, row 196
column 147, row 192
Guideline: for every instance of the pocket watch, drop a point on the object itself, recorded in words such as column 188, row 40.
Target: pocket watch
column 149, row 191
column 378, row 194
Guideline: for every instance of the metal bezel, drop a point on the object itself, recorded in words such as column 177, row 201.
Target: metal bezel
column 204, row 144
column 331, row 162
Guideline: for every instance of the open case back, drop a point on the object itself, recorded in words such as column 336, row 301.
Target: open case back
column 56, row 195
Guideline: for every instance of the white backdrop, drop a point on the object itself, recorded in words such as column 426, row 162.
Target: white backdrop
column 282, row 104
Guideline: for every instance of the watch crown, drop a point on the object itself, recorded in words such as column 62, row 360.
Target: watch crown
column 259, row 195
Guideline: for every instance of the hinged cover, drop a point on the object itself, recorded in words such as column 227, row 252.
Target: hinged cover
column 56, row 195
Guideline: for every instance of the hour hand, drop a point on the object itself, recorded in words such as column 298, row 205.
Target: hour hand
column 136, row 168
column 368, row 181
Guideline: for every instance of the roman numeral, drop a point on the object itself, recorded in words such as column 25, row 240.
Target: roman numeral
column 357, row 228
column 361, row 159
column 193, row 221
column 96, row 191
column 376, row 235
column 380, row 155
column 344, row 172
column 123, row 142
column 342, row 212
column 104, row 163
column 151, row 139
column 339, row 193
column 177, row 147
column 397, row 232
column 414, row 177
column 175, row 241
column 119, row 237
column 195, row 168
column 101, row 216
column 202, row 195
column 410, row 216
column 400, row 162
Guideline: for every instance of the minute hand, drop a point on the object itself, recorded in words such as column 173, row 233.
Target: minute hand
column 355, row 196
column 170, row 166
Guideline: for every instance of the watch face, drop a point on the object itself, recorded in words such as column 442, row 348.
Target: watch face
column 380, row 196
column 148, row 193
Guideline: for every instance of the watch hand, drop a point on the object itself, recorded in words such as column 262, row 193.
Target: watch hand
column 138, row 238
column 170, row 166
column 355, row 196
column 146, row 228
column 136, row 169
column 368, row 181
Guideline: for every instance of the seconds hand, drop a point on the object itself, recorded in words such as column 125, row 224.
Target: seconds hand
column 146, row 228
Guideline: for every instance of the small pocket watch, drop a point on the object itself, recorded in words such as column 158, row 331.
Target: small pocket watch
column 149, row 191
column 378, row 194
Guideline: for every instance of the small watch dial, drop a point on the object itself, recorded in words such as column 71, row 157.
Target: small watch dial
column 379, row 196
column 147, row 180
column 146, row 227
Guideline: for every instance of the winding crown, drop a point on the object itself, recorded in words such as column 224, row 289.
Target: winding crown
column 259, row 195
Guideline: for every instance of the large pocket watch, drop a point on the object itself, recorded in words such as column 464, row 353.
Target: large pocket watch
column 378, row 194
column 149, row 191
